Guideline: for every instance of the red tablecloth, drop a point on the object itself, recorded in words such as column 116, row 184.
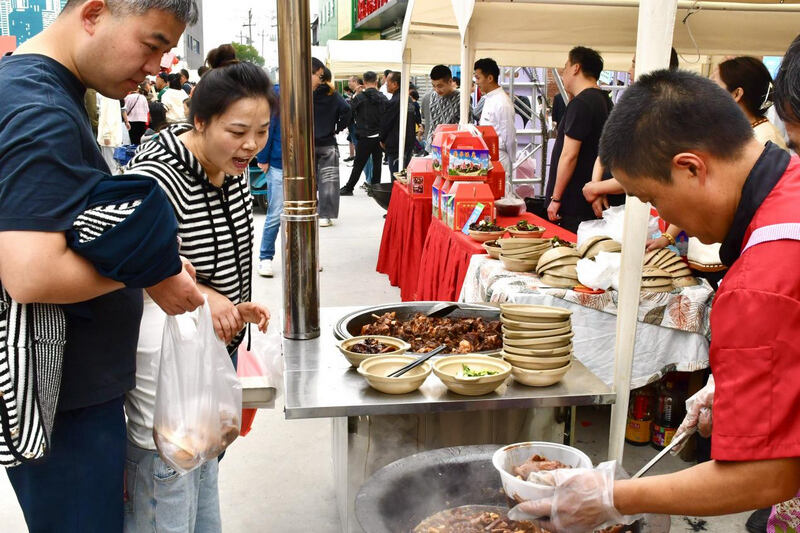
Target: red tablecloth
column 446, row 255
column 404, row 231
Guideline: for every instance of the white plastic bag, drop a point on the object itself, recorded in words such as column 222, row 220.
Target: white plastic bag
column 267, row 356
column 601, row 272
column 611, row 225
column 198, row 397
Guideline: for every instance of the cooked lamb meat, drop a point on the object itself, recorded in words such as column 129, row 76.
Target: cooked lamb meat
column 460, row 335
column 537, row 463
column 474, row 519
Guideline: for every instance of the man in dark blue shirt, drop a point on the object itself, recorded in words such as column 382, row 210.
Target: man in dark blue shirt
column 49, row 162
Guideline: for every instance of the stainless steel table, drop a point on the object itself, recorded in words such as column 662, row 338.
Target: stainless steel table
column 372, row 429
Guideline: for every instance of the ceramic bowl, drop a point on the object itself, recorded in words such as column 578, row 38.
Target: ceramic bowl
column 522, row 242
column 536, row 335
column 527, row 324
column 539, row 378
column 532, row 234
column 450, row 371
column 545, row 343
column 483, row 236
column 375, row 369
column 508, row 457
column 542, row 352
column 538, row 313
column 534, row 330
column 491, row 249
column 517, row 265
column 537, row 363
column 355, row 359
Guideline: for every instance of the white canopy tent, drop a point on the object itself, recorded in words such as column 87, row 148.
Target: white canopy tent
column 541, row 32
column 353, row 58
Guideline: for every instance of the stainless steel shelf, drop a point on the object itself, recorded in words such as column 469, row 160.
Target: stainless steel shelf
column 320, row 383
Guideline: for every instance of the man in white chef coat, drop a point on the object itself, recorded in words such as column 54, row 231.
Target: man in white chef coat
column 498, row 111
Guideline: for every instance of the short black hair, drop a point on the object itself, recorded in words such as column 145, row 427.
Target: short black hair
column 370, row 77
column 222, row 87
column 753, row 77
column 202, row 69
column 787, row 84
column 591, row 61
column 488, row 67
column 396, row 76
column 316, row 64
column 387, row 72
column 457, row 80
column 185, row 73
column 414, row 94
column 441, row 72
column 163, row 75
column 668, row 112
column 175, row 81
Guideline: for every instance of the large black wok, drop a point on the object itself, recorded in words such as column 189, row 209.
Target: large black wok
column 400, row 495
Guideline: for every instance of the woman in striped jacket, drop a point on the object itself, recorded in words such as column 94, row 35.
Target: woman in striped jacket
column 202, row 167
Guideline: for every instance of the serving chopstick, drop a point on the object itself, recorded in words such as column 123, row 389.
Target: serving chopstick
column 400, row 371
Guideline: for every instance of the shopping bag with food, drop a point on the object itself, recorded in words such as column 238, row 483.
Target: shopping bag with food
column 198, row 397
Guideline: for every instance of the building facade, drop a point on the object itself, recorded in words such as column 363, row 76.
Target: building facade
column 360, row 19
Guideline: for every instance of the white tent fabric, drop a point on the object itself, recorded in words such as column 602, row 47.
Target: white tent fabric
column 540, row 33
column 348, row 58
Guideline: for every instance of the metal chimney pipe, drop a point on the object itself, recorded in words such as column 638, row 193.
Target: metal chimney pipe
column 300, row 235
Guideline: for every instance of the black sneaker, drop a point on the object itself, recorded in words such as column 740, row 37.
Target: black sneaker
column 757, row 523
column 344, row 191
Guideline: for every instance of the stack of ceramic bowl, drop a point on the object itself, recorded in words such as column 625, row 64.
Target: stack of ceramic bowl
column 535, row 232
column 599, row 243
column 522, row 254
column 492, row 248
column 656, row 280
column 670, row 262
column 537, row 342
column 558, row 267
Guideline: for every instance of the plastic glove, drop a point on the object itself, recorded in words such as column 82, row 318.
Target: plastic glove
column 583, row 501
column 698, row 414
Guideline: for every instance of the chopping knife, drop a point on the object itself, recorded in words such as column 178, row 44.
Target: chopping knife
column 675, row 441
column 442, row 310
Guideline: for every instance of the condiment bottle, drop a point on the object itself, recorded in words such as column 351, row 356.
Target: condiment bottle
column 670, row 413
column 640, row 416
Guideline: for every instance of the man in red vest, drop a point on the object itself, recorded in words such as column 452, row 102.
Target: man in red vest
column 681, row 143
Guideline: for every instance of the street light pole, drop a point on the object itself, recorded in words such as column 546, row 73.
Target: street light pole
column 300, row 235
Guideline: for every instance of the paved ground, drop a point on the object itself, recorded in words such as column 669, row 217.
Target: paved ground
column 281, row 471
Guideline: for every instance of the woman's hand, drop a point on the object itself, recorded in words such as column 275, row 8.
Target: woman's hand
column 552, row 211
column 599, row 205
column 226, row 317
column 254, row 313
column 657, row 244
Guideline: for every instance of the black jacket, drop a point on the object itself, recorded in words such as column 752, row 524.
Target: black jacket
column 390, row 126
column 331, row 115
column 368, row 107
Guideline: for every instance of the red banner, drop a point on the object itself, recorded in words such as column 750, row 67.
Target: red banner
column 367, row 7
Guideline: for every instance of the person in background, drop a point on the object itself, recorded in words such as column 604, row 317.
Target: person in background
column 444, row 103
column 498, row 111
column 577, row 139
column 750, row 85
column 173, row 99
column 456, row 83
column 162, row 84
column 352, row 85
column 49, row 164
column 185, row 85
column 367, row 107
column 202, row 70
column 384, row 90
column 390, row 127
column 109, row 128
column 137, row 109
column 90, row 103
column 270, row 161
column 158, row 120
column 331, row 115
column 419, row 137
column 559, row 109
column 202, row 168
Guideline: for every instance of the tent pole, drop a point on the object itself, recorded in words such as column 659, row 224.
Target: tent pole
column 682, row 4
column 405, row 69
column 653, row 42
column 467, row 62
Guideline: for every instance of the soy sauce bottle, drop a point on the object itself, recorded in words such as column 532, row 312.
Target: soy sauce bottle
column 669, row 413
column 640, row 416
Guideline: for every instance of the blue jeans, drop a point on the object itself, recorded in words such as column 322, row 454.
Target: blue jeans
column 160, row 499
column 77, row 487
column 272, row 225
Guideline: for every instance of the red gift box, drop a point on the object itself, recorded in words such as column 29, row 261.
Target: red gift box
column 420, row 176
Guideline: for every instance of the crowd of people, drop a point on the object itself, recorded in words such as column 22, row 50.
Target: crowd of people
column 702, row 151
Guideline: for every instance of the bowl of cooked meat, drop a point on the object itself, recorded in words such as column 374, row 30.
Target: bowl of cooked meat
column 518, row 463
column 357, row 349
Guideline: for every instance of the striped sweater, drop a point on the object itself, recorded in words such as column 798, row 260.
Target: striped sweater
column 215, row 224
